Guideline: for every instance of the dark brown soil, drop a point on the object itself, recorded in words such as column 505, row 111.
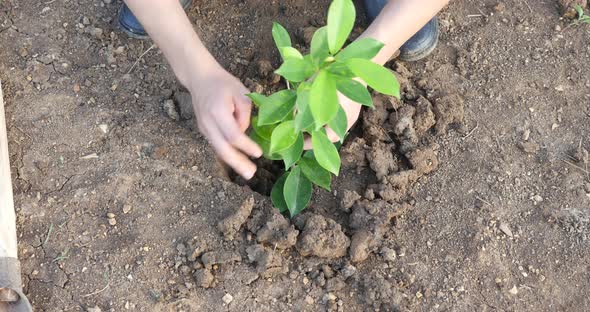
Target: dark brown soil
column 472, row 193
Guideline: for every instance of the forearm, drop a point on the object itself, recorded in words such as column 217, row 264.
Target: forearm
column 399, row 21
column 169, row 27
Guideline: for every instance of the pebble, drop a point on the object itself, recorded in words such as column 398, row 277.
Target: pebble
column 112, row 222
column 126, row 208
column 309, row 299
column 505, row 228
column 348, row 270
column 170, row 110
column 513, row 290
column 537, row 199
column 227, row 298
column 388, row 254
column 95, row 309
column 85, row 20
column 104, row 128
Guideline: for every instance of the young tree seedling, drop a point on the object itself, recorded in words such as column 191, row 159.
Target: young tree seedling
column 582, row 17
column 310, row 104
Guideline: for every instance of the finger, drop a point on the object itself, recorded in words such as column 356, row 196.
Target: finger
column 242, row 112
column 233, row 134
column 238, row 161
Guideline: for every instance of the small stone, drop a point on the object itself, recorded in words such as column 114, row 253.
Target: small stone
column 348, row 270
column 559, row 88
column 94, row 309
column 85, row 20
column 126, row 209
column 537, row 199
column 110, row 215
column 529, row 147
column 505, row 228
column 76, row 88
column 388, row 254
column 513, row 290
column 309, row 300
column 227, row 298
column 112, row 222
column 23, row 52
column 500, row 7
column 104, row 128
column 170, row 110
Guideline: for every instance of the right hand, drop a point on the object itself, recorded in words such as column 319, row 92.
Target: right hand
column 223, row 112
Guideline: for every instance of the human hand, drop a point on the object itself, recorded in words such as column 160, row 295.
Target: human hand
column 352, row 109
column 223, row 115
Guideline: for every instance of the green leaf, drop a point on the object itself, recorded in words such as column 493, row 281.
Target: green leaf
column 303, row 119
column 355, row 91
column 340, row 70
column 280, row 36
column 265, row 146
column 366, row 48
column 319, row 49
column 262, row 131
column 376, row 76
column 339, row 124
column 325, row 152
column 290, row 53
column 293, row 153
column 275, row 108
column 277, row 196
column 314, row 172
column 579, row 10
column 297, row 191
column 297, row 70
column 323, row 101
column 283, row 137
column 341, row 16
column 257, row 98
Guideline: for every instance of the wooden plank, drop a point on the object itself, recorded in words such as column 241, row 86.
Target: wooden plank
column 8, row 246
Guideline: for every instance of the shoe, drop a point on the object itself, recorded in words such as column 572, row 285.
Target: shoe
column 417, row 47
column 132, row 27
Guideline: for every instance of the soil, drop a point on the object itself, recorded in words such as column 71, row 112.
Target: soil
column 471, row 193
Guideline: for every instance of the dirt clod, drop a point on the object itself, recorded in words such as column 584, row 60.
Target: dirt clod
column 322, row 237
column 268, row 262
column 424, row 160
column 381, row 159
column 448, row 110
column 231, row 225
column 219, row 257
column 529, row 147
column 264, row 68
column 424, row 118
column 348, row 199
column 185, row 105
column 278, row 232
column 360, row 246
column 203, row 278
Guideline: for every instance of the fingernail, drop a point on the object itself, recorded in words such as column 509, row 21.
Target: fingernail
column 249, row 175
